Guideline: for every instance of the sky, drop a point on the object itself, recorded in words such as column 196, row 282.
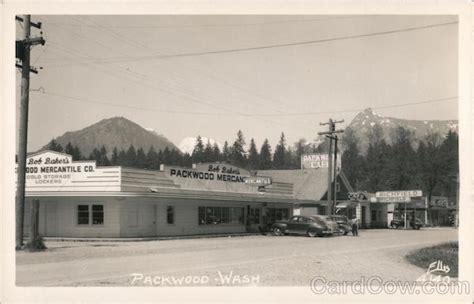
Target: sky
column 184, row 76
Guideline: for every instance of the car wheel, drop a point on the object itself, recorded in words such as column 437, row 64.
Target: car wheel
column 277, row 231
column 346, row 232
column 311, row 233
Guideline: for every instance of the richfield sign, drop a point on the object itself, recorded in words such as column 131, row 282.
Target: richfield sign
column 316, row 161
column 54, row 171
column 397, row 196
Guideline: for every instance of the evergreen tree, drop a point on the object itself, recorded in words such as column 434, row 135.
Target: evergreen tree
column 216, row 152
column 76, row 153
column 299, row 148
column 376, row 162
column 401, row 170
column 130, row 157
column 122, row 158
column 449, row 152
column 69, row 148
column 198, row 152
column 160, row 159
column 265, row 162
column 73, row 151
column 279, row 157
column 290, row 159
column 114, row 158
column 175, row 157
column 167, row 157
column 208, row 154
column 186, row 160
column 151, row 159
column 237, row 152
column 95, row 155
column 103, row 159
column 141, row 160
column 55, row 146
column 351, row 160
column 253, row 156
column 225, row 152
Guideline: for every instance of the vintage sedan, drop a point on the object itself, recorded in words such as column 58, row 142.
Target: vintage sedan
column 400, row 223
column 314, row 225
column 342, row 223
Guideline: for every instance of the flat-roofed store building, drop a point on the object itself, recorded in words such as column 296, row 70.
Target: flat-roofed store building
column 80, row 199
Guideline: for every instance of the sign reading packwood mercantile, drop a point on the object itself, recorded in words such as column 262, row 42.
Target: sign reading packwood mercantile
column 214, row 174
column 54, row 171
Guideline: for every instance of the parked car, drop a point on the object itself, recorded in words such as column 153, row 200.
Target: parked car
column 397, row 223
column 315, row 225
column 342, row 223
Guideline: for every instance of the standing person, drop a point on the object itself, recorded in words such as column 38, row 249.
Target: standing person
column 355, row 227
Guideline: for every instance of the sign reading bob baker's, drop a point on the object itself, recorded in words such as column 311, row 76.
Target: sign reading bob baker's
column 55, row 171
column 216, row 173
column 315, row 161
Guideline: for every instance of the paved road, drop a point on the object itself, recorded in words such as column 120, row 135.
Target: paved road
column 252, row 260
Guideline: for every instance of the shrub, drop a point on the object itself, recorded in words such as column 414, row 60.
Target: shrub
column 446, row 252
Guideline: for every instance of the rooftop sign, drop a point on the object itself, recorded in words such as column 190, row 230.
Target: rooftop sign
column 55, row 171
column 316, row 161
column 403, row 194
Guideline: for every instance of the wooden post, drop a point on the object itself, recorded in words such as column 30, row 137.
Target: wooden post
column 34, row 227
column 22, row 137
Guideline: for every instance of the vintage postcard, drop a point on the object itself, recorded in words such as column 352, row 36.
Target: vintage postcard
column 237, row 152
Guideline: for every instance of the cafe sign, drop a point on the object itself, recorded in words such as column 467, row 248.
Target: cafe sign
column 316, row 161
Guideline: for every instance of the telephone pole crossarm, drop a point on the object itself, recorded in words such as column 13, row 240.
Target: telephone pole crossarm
column 332, row 162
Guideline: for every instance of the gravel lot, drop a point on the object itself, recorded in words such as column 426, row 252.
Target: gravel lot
column 252, row 260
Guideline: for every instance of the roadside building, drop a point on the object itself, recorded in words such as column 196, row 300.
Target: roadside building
column 79, row 199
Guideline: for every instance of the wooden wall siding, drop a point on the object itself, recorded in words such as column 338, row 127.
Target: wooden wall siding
column 143, row 180
column 58, row 217
column 152, row 217
column 280, row 188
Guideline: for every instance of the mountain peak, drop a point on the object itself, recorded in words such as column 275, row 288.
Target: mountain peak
column 115, row 132
column 365, row 121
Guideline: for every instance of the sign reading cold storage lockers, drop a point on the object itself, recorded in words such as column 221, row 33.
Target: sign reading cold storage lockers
column 55, row 171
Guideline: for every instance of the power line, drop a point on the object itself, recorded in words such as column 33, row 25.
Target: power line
column 452, row 98
column 282, row 45
column 206, row 25
column 86, row 100
column 91, row 101
column 146, row 77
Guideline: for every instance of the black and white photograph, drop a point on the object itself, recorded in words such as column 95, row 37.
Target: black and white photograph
column 314, row 151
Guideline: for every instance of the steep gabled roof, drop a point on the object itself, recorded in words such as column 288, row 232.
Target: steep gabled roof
column 310, row 184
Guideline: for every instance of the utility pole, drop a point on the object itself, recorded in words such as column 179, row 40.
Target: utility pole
column 23, row 48
column 332, row 165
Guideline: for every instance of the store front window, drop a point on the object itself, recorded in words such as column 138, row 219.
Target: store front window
column 90, row 214
column 170, row 215
column 220, row 215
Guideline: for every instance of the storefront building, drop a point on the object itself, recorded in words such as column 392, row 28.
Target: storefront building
column 79, row 199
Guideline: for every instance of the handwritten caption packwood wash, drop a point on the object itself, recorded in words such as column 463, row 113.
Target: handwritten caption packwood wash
column 220, row 279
